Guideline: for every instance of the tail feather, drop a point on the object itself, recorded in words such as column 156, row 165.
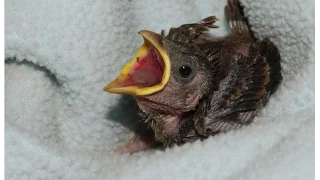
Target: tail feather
column 268, row 50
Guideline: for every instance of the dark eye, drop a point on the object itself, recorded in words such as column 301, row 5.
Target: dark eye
column 185, row 71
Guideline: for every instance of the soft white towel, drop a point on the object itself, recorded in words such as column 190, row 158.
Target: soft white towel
column 61, row 125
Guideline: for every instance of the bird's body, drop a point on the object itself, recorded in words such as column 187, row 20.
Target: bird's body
column 197, row 85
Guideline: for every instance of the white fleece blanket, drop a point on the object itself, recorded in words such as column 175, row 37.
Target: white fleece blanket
column 61, row 125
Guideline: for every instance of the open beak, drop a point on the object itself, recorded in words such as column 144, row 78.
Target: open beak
column 147, row 72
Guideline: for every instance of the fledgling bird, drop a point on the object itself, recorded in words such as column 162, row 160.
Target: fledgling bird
column 190, row 85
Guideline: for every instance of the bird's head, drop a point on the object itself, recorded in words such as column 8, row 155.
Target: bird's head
column 164, row 75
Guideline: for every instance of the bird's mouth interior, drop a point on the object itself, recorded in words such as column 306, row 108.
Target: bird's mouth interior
column 147, row 72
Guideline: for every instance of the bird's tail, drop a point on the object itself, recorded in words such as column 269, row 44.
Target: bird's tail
column 268, row 50
column 240, row 27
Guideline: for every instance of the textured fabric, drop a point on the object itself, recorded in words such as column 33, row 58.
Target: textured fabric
column 61, row 125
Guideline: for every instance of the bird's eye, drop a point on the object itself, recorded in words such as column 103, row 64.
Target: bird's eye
column 185, row 71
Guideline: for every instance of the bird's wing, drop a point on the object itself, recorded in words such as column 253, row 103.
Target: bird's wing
column 235, row 17
column 242, row 92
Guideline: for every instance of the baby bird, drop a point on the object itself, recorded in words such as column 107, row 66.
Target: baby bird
column 190, row 85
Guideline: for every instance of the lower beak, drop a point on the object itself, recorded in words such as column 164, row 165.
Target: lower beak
column 148, row 71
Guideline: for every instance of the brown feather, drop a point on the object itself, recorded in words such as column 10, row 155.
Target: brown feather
column 234, row 78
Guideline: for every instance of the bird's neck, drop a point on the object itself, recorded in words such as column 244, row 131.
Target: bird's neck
column 162, row 119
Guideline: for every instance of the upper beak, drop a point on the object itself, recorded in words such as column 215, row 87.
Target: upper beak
column 147, row 72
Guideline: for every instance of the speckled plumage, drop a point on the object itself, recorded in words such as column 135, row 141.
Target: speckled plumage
column 234, row 78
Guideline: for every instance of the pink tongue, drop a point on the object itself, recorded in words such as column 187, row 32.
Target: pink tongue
column 147, row 71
